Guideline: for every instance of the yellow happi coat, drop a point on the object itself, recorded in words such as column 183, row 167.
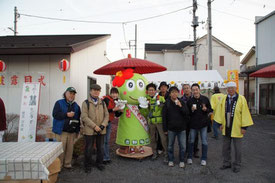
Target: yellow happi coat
column 242, row 116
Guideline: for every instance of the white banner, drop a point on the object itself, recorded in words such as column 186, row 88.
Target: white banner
column 29, row 112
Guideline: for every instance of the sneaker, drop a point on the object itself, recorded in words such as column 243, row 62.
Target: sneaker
column 132, row 151
column 182, row 165
column 203, row 162
column 189, row 161
column 171, row 163
column 141, row 150
column 160, row 151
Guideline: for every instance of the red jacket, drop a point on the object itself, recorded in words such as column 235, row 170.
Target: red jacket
column 110, row 105
column 3, row 125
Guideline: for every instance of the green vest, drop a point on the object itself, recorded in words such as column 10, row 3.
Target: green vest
column 155, row 109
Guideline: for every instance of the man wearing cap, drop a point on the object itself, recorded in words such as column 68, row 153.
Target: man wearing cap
column 95, row 118
column 215, row 99
column 66, row 124
column 163, row 92
column 163, row 88
column 233, row 115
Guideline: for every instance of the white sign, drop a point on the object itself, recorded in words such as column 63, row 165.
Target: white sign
column 29, row 112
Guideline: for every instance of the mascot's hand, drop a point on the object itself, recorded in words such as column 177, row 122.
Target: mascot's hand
column 143, row 103
column 121, row 103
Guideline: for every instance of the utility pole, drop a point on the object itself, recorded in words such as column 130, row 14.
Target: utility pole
column 15, row 20
column 135, row 40
column 209, row 35
column 194, row 25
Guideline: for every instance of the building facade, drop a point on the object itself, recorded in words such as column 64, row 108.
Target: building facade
column 180, row 56
column 265, row 56
column 37, row 58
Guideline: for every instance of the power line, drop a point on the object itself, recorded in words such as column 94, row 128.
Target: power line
column 70, row 20
column 228, row 13
column 164, row 14
column 104, row 22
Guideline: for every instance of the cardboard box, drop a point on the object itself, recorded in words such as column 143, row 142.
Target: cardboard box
column 52, row 178
column 54, row 169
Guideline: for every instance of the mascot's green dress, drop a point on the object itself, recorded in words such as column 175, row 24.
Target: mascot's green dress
column 132, row 128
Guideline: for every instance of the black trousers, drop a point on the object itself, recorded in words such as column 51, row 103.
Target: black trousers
column 159, row 144
column 89, row 144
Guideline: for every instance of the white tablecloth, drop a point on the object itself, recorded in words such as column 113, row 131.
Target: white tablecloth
column 27, row 160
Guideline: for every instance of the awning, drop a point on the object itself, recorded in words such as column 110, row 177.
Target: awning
column 266, row 72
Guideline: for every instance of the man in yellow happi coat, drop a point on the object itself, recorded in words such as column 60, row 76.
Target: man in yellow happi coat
column 234, row 117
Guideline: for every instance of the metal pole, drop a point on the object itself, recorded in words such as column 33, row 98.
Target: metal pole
column 195, row 24
column 209, row 36
column 135, row 40
column 15, row 21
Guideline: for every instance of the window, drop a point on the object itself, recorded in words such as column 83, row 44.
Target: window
column 221, row 60
column 193, row 60
column 107, row 89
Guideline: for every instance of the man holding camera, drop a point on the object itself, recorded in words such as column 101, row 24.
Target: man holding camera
column 95, row 118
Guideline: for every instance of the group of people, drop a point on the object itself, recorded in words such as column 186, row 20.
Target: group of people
column 170, row 115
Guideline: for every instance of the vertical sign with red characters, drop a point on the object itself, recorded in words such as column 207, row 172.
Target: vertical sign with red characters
column 29, row 112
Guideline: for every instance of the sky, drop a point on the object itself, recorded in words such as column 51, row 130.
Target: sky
column 232, row 21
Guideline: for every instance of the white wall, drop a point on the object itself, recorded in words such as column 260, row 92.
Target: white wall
column 265, row 40
column 84, row 63
column 157, row 57
column 34, row 64
column 183, row 60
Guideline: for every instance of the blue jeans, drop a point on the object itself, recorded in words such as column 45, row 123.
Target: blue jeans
column 215, row 129
column 192, row 136
column 181, row 136
column 106, row 142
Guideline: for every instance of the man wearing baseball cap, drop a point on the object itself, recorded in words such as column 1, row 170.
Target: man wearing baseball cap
column 233, row 115
column 66, row 124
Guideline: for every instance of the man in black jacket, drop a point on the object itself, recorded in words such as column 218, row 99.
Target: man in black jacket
column 199, row 107
column 174, row 116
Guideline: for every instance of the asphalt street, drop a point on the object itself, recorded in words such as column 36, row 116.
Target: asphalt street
column 258, row 163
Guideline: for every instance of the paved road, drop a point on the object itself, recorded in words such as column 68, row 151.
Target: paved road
column 258, row 163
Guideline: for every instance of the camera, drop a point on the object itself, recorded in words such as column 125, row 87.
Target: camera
column 101, row 127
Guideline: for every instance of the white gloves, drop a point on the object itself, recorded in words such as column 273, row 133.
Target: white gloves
column 120, row 103
column 143, row 103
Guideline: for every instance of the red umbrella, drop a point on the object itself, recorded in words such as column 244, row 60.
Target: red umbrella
column 138, row 65
column 266, row 72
